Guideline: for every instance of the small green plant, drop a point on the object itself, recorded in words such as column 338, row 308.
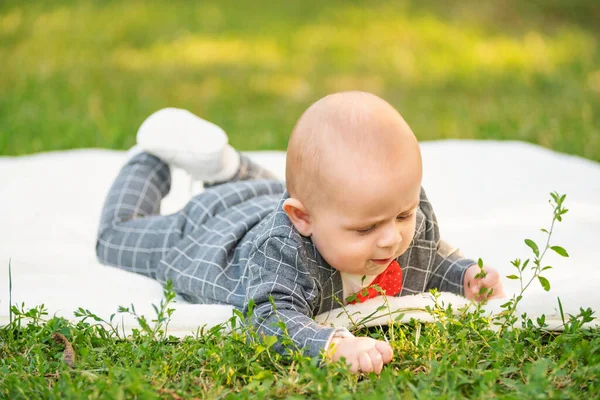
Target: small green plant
column 163, row 314
column 507, row 318
column 34, row 316
column 575, row 322
column 86, row 314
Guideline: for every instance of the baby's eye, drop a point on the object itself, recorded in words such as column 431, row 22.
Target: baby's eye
column 404, row 217
column 366, row 230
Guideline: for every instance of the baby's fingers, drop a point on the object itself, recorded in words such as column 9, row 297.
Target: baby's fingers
column 366, row 364
column 385, row 350
column 473, row 288
column 497, row 291
column 376, row 360
column 491, row 278
column 353, row 364
column 488, row 287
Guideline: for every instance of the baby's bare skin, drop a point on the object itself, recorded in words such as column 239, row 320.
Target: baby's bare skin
column 362, row 354
column 491, row 282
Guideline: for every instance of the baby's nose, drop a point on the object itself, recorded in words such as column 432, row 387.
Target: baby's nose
column 390, row 237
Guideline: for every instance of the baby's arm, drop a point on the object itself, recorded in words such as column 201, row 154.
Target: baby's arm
column 451, row 266
column 449, row 269
column 284, row 293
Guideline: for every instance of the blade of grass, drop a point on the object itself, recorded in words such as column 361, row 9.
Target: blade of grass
column 9, row 291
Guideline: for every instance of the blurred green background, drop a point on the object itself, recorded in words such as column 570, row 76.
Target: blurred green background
column 86, row 73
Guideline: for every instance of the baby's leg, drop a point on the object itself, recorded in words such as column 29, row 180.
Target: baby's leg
column 199, row 147
column 131, row 235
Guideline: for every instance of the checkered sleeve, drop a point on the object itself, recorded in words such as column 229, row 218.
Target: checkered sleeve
column 449, row 269
column 449, row 265
column 284, row 294
column 131, row 235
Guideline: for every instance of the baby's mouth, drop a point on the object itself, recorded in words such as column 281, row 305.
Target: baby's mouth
column 382, row 261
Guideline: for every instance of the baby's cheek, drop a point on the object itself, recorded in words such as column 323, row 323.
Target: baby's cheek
column 410, row 233
column 340, row 257
column 407, row 239
column 354, row 256
column 350, row 256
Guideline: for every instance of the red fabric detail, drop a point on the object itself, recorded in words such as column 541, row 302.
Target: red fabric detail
column 390, row 282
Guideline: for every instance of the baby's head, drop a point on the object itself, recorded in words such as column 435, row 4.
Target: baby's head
column 354, row 177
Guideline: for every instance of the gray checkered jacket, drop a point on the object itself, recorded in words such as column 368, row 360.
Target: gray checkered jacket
column 234, row 244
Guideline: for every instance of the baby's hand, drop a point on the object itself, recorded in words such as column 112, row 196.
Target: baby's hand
column 362, row 353
column 492, row 280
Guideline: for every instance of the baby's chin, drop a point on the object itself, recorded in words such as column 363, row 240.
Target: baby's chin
column 369, row 268
column 373, row 268
column 360, row 270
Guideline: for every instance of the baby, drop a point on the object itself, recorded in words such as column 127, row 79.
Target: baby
column 352, row 214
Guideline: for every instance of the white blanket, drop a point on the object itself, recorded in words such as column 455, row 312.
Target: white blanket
column 50, row 205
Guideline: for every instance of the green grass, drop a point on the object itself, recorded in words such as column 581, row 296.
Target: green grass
column 456, row 357
column 87, row 73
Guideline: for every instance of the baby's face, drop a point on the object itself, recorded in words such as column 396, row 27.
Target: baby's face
column 369, row 223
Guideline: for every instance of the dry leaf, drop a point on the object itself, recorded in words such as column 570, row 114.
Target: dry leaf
column 69, row 353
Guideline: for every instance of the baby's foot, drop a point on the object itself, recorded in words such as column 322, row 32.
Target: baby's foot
column 184, row 140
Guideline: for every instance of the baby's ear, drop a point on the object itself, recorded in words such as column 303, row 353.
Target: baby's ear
column 298, row 214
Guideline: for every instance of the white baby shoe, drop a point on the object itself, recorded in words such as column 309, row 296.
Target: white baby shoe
column 187, row 141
